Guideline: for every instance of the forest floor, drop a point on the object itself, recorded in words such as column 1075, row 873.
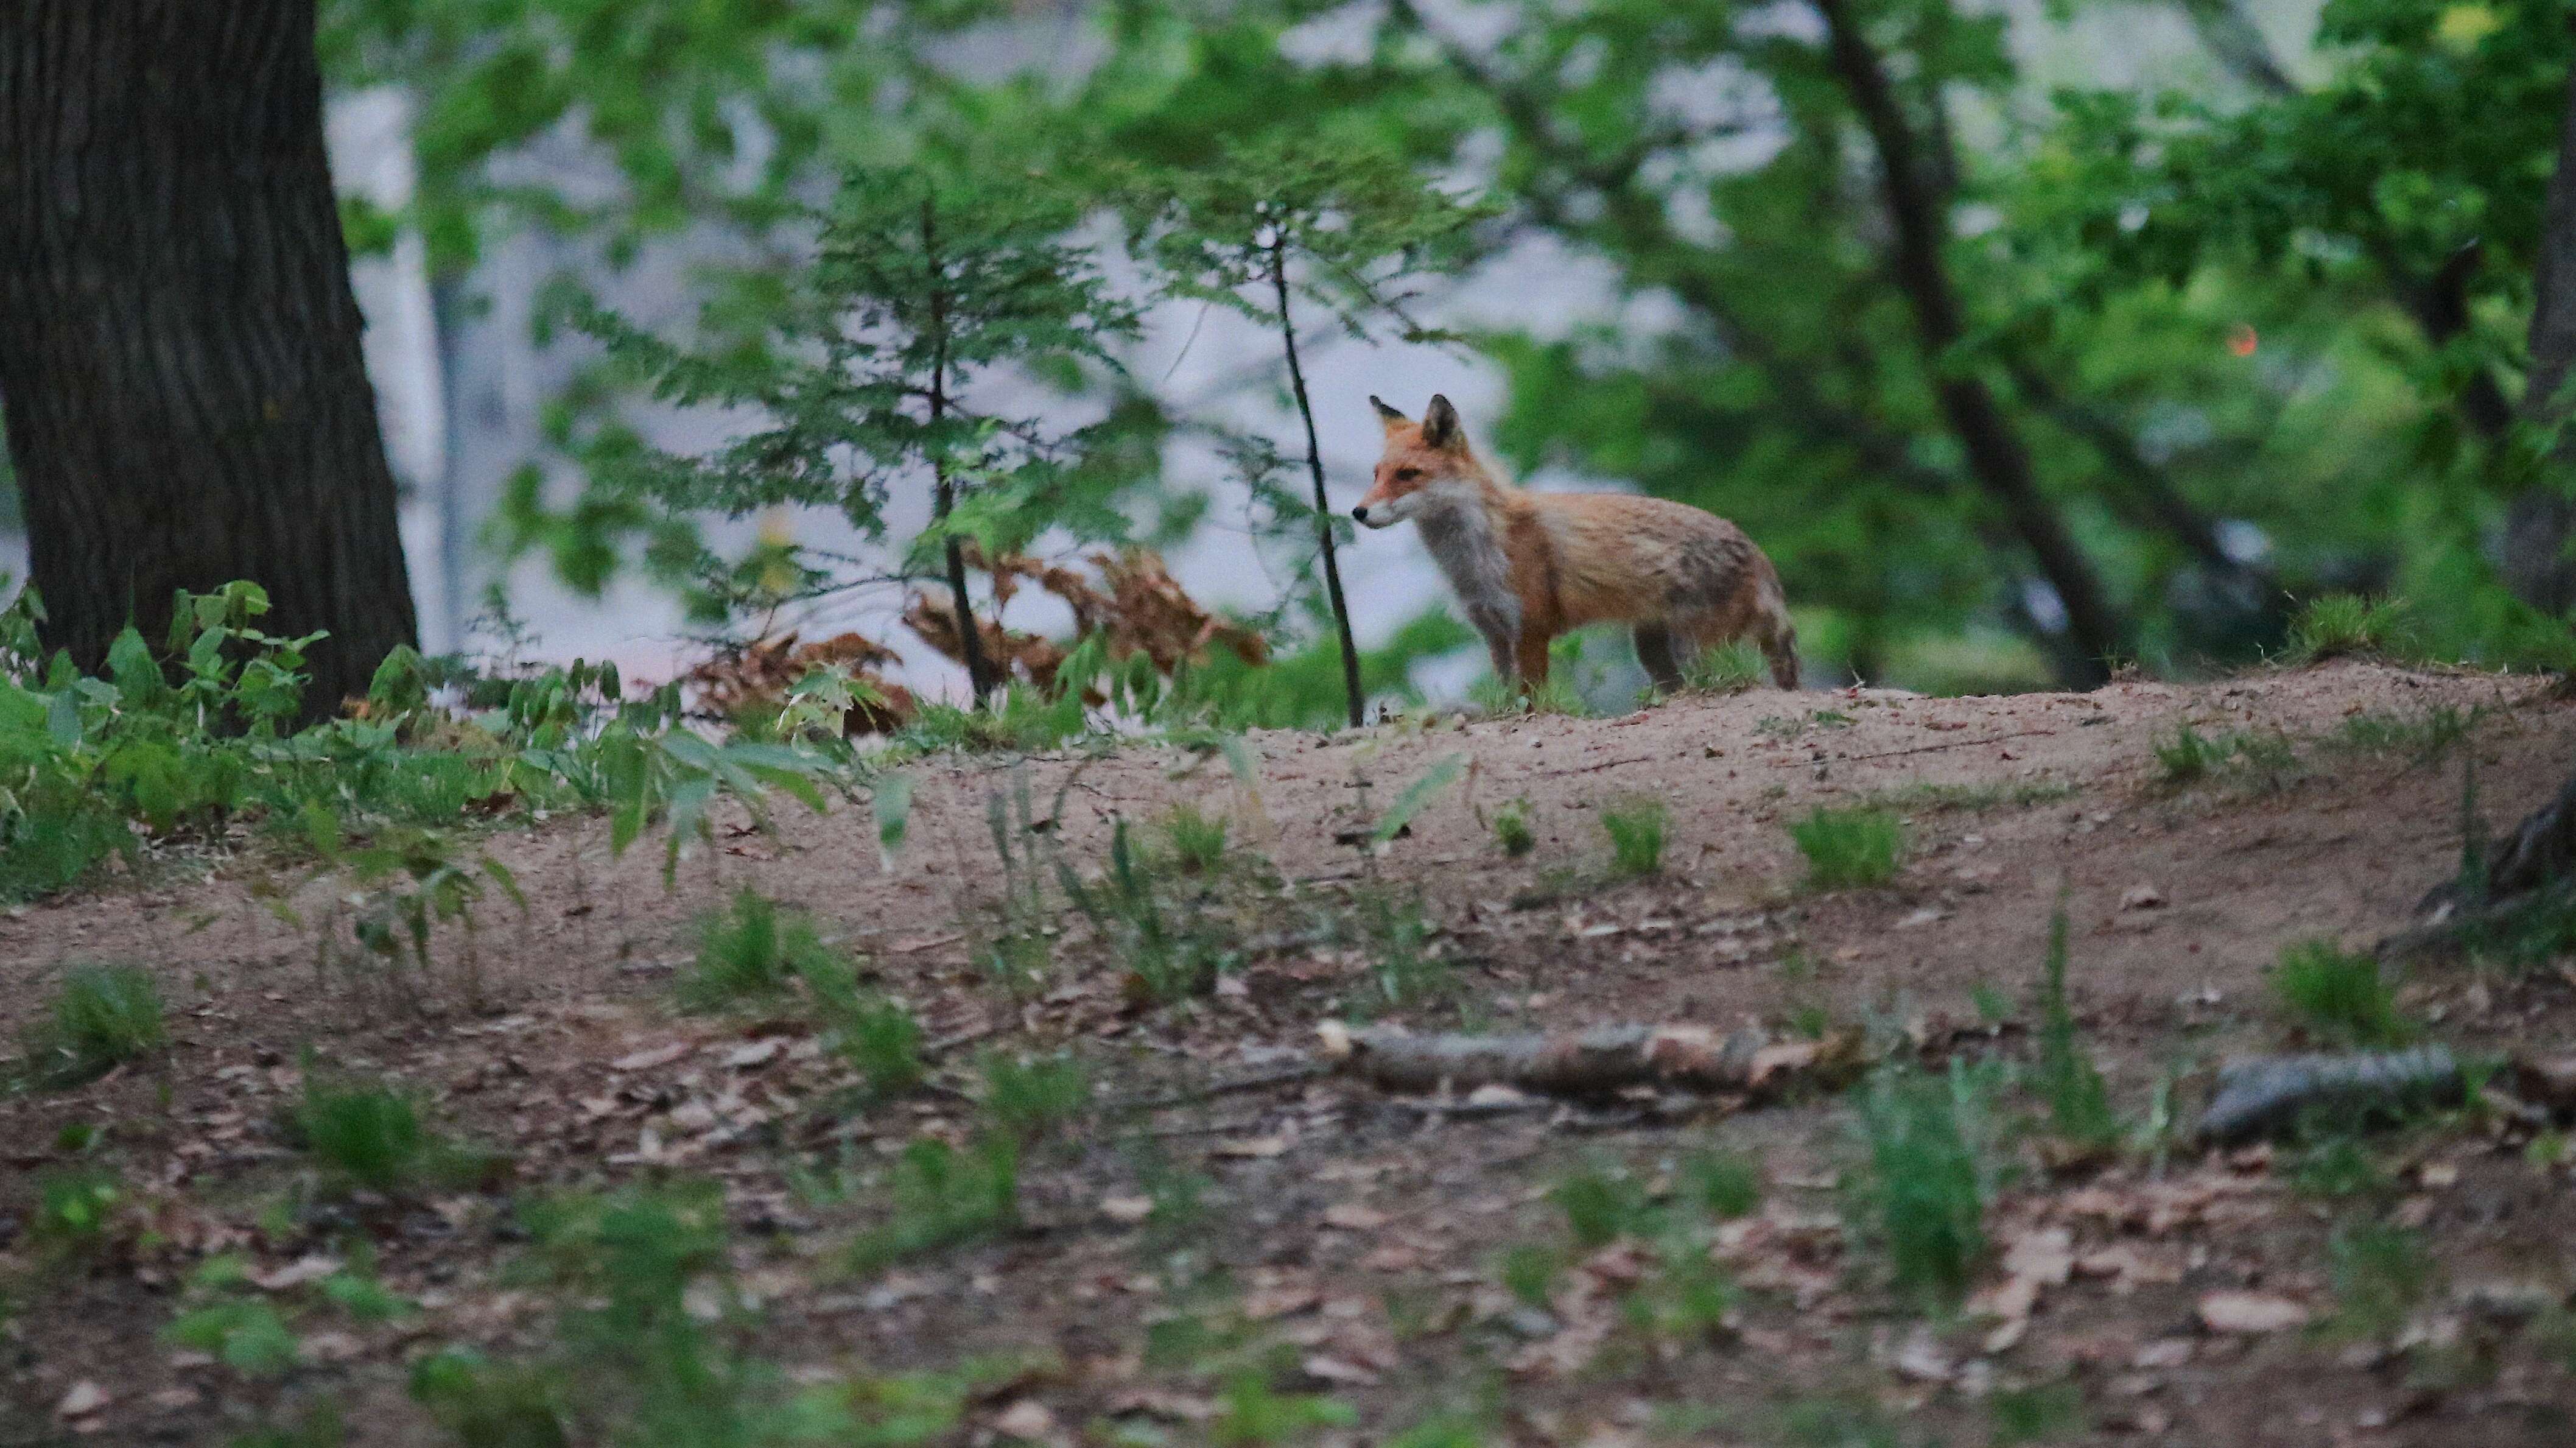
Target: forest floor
column 1216, row 1247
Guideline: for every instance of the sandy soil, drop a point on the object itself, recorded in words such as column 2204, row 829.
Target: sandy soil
column 1360, row 1234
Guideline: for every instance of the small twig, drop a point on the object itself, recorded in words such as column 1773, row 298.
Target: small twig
column 1302, row 1071
column 1952, row 744
column 1594, row 768
column 967, row 1037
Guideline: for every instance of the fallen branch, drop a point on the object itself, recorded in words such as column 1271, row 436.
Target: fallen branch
column 2505, row 883
column 2266, row 1095
column 1936, row 748
column 1593, row 1062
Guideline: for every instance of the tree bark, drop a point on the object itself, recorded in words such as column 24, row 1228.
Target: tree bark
column 2541, row 517
column 1995, row 451
column 187, row 404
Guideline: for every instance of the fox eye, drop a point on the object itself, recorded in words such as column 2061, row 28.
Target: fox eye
column 1406, row 475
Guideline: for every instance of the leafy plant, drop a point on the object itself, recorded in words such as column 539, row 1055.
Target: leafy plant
column 1171, row 959
column 1336, row 222
column 2427, row 738
column 1512, row 828
column 931, row 277
column 1443, row 773
column 881, row 1040
column 1724, row 1184
column 2339, row 996
column 1636, row 829
column 74, row 1209
column 101, row 1016
column 1926, row 1177
column 1849, row 846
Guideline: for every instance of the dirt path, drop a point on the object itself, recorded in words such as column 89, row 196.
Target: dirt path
column 1202, row 1258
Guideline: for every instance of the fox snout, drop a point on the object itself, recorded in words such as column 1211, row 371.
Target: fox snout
column 1379, row 519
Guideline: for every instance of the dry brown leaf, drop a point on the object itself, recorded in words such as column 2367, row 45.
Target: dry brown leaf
column 2251, row 1312
column 85, row 1398
column 1027, row 1419
column 2046, row 1256
column 646, row 1060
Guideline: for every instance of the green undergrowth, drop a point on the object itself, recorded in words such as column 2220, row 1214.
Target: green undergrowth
column 200, row 740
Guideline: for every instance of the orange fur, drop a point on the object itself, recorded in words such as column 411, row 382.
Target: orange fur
column 1530, row 566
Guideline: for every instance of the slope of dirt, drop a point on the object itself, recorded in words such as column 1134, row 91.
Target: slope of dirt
column 1221, row 1236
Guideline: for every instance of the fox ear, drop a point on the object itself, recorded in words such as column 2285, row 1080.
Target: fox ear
column 1388, row 415
column 1440, row 425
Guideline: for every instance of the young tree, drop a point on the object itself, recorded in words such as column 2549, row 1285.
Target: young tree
column 928, row 280
column 1344, row 227
column 186, row 402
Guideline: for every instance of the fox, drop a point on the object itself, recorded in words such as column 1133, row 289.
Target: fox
column 1529, row 566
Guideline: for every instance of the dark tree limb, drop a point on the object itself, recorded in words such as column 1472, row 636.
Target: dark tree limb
column 1593, row 1062
column 2541, row 519
column 1995, row 450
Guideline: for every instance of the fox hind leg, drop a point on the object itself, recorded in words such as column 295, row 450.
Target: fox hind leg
column 1655, row 655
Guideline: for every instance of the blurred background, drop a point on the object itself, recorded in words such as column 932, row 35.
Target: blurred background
column 2029, row 339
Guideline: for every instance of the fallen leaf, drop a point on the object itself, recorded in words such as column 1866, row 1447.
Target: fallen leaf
column 2250, row 1312
column 1026, row 1419
column 2163, row 1354
column 646, row 1060
column 1254, row 1146
column 294, row 1274
column 1334, row 1370
column 1354, row 1217
column 84, row 1399
column 1128, row 1210
column 2046, row 1256
column 758, row 1053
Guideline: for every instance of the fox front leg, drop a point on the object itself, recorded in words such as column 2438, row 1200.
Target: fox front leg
column 1500, row 623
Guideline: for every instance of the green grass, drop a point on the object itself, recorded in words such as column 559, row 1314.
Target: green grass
column 1498, row 696
column 1512, row 829
column 1724, row 1184
column 2079, row 1104
column 1927, row 796
column 754, row 950
column 1601, row 1204
column 1849, row 846
column 2338, row 624
column 1924, row 1181
column 1030, row 1098
column 74, row 1208
column 2339, row 997
column 101, row 1017
column 1194, row 840
column 2381, row 1273
column 1397, row 935
column 1636, row 827
column 1730, row 668
column 943, row 1197
column 1171, row 946
column 881, row 1040
column 2426, row 738
column 370, row 1134
column 2262, row 761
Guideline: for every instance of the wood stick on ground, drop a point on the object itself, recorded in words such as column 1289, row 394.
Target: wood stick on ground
column 1592, row 1062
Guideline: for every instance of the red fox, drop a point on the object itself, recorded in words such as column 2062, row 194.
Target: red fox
column 1529, row 566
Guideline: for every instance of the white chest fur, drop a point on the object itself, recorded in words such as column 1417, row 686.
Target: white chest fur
column 1459, row 531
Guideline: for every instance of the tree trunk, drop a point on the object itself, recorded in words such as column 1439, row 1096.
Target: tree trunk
column 2537, row 525
column 1323, row 506
column 1995, row 451
column 186, row 400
